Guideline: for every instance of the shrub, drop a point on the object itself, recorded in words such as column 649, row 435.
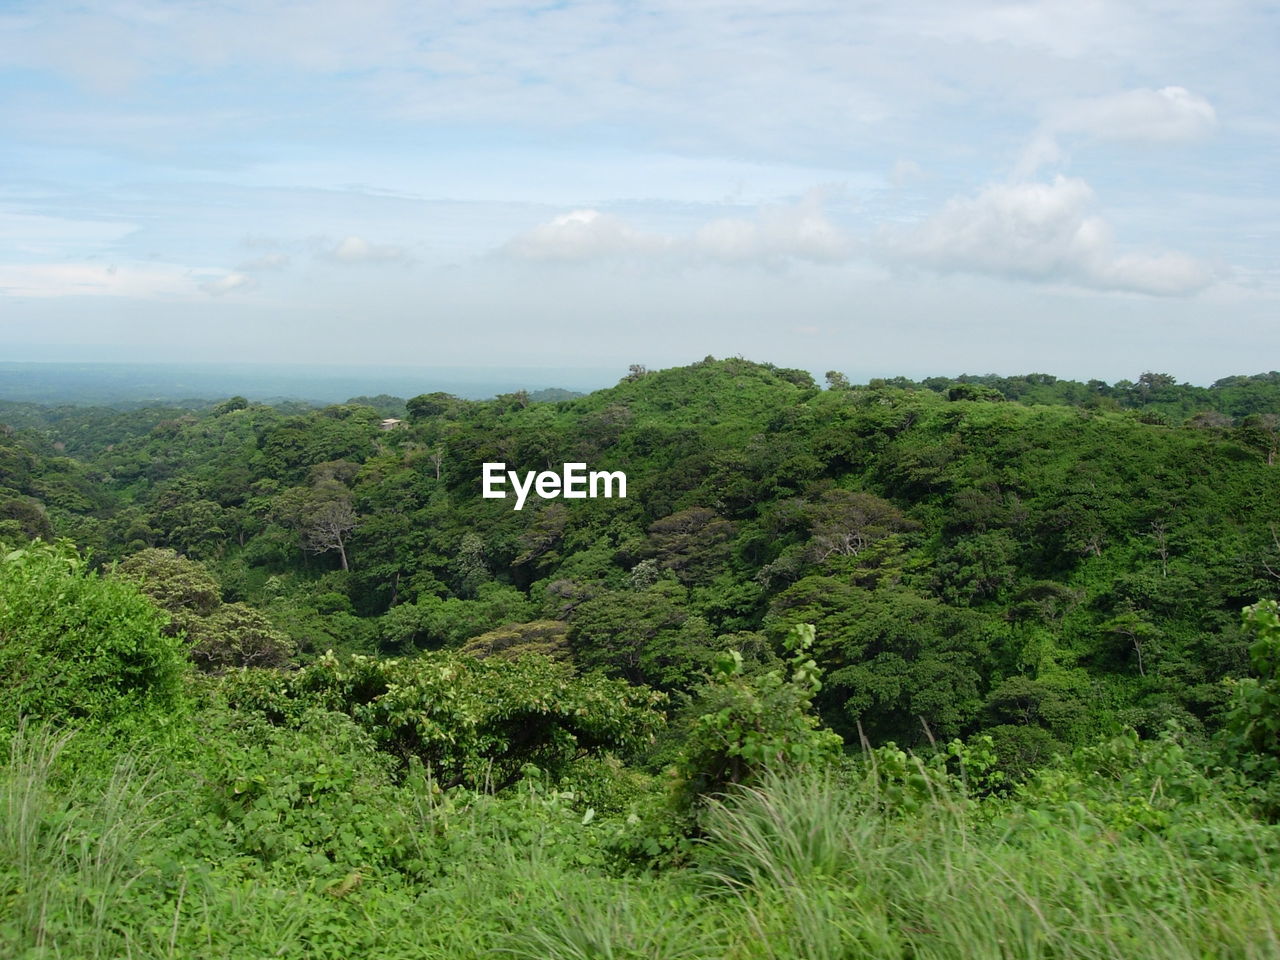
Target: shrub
column 75, row 646
column 750, row 725
column 1253, row 720
column 471, row 722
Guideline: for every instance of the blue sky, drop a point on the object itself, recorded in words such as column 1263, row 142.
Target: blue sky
column 1082, row 188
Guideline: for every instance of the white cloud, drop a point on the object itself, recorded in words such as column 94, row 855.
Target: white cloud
column 1043, row 151
column 1044, row 232
column 1170, row 274
column 742, row 79
column 1167, row 115
column 437, row 126
column 226, row 284
column 359, row 250
column 778, row 233
column 1170, row 115
column 799, row 231
column 585, row 235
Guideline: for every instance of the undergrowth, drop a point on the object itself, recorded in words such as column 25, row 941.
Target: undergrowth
column 131, row 859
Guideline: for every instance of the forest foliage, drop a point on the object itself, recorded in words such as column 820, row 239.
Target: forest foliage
column 923, row 614
column 1041, row 570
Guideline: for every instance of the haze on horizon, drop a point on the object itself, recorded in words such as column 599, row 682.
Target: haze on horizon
column 1085, row 189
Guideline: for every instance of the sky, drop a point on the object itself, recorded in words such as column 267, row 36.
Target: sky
column 1083, row 188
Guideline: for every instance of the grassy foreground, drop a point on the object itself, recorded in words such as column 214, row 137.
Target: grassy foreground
column 129, row 862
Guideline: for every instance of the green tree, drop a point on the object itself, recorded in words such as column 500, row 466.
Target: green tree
column 219, row 636
column 846, row 522
column 636, row 634
column 548, row 638
column 230, row 405
column 430, row 405
column 323, row 516
column 180, row 586
column 236, row 635
column 692, row 543
column 28, row 517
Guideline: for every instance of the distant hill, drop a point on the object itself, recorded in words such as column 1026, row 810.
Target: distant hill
column 134, row 385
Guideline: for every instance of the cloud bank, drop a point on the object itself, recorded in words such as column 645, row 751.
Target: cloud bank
column 359, row 250
column 1167, row 115
column 1043, row 232
column 776, row 235
column 1164, row 117
column 583, row 235
column 226, row 284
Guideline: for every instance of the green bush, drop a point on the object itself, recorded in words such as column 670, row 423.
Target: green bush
column 472, row 722
column 1253, row 720
column 752, row 725
column 312, row 800
column 75, row 646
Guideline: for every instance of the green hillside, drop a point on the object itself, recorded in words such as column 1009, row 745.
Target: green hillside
column 370, row 698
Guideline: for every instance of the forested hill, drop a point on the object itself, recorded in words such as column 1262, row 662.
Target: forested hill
column 1158, row 395
column 1043, row 570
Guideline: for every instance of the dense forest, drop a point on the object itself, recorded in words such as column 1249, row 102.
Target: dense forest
column 966, row 667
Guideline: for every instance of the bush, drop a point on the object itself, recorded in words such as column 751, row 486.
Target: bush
column 754, row 725
column 1253, row 721
column 75, row 646
column 472, row 722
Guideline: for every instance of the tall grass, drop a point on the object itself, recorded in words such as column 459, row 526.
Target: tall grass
column 807, row 868
column 67, row 861
column 821, row 870
column 29, row 841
